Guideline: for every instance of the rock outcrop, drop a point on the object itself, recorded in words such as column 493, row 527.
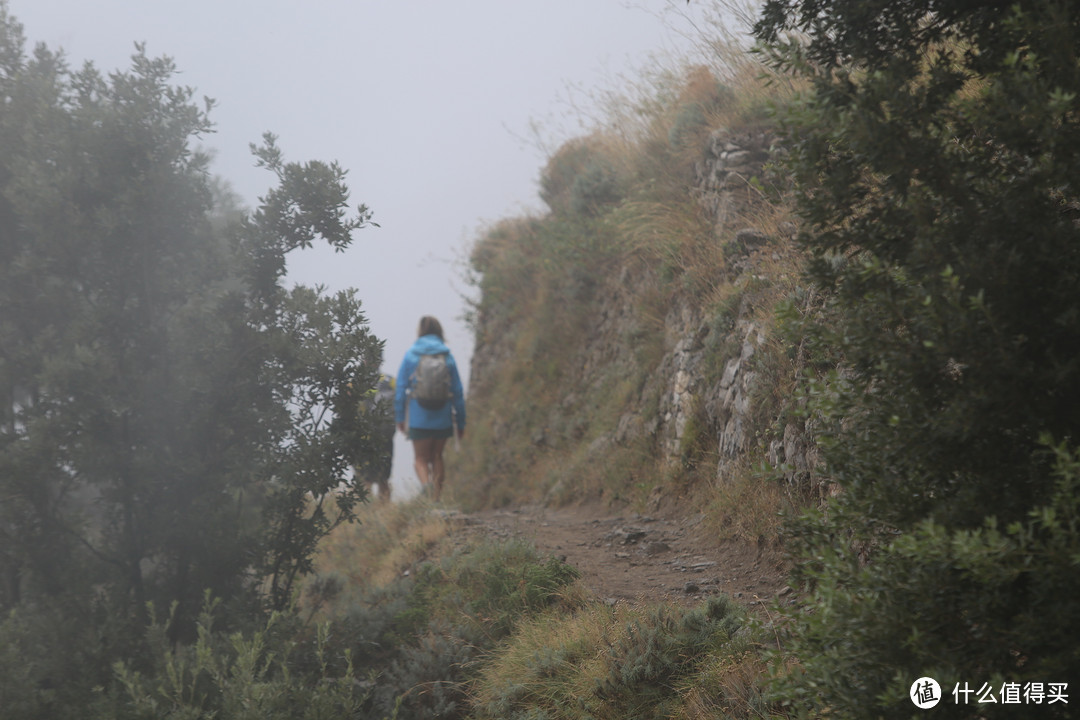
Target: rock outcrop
column 705, row 384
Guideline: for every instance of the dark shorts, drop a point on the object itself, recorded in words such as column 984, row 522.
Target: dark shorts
column 426, row 433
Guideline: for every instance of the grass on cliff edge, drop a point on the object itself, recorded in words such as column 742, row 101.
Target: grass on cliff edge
column 627, row 214
column 455, row 627
column 610, row 663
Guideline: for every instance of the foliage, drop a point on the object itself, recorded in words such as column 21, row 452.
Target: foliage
column 645, row 663
column 172, row 419
column 385, row 540
column 460, row 608
column 423, row 636
column 993, row 604
column 936, row 164
column 609, row 662
column 625, row 217
column 701, row 97
column 239, row 676
column 581, row 178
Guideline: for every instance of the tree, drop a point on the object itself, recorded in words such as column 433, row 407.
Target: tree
column 936, row 157
column 172, row 418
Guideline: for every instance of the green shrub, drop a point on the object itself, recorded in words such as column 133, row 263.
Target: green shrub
column 597, row 185
column 486, row 588
column 428, row 633
column 581, row 177
column 941, row 227
column 645, row 664
column 239, row 676
column 960, row 606
column 55, row 658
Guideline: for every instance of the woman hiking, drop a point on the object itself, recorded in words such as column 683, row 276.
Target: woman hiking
column 430, row 403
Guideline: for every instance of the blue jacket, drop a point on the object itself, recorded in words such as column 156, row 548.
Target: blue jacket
column 452, row 413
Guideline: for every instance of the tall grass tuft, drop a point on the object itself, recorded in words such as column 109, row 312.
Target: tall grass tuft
column 620, row 662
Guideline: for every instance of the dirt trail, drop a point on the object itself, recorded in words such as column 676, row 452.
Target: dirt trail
column 639, row 558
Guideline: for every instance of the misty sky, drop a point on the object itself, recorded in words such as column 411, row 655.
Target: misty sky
column 426, row 103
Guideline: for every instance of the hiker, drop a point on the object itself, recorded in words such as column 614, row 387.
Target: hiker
column 429, row 404
column 378, row 405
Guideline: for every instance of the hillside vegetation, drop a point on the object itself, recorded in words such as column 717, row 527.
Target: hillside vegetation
column 860, row 313
column 626, row 341
column 628, row 355
column 822, row 298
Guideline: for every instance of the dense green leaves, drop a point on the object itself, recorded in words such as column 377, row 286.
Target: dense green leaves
column 988, row 605
column 240, row 677
column 172, row 418
column 936, row 157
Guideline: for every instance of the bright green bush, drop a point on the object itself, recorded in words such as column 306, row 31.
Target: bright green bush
column 471, row 601
column 645, row 664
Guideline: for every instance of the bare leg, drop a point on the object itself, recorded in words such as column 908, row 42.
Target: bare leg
column 429, row 464
column 438, row 470
column 422, row 451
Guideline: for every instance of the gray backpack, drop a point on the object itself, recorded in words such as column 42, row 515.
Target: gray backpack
column 431, row 382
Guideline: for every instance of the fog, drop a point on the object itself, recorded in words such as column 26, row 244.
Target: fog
column 430, row 106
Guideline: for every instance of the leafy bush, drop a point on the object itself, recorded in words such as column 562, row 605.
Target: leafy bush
column 643, row 666
column 239, row 677
column 422, row 636
column 164, row 423
column 580, row 177
column 51, row 659
column 992, row 604
column 594, row 187
column 936, row 161
column 701, row 98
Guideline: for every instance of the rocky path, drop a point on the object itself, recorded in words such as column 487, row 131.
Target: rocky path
column 640, row 558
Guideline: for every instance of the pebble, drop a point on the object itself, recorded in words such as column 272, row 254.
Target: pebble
column 656, row 548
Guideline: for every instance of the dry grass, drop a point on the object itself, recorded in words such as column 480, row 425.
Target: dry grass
column 675, row 236
column 631, row 107
column 387, row 539
column 528, row 442
column 745, row 504
column 652, row 131
column 590, row 664
column 549, row 661
column 727, row 687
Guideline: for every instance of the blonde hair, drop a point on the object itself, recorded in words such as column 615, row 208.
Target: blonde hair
column 430, row 326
